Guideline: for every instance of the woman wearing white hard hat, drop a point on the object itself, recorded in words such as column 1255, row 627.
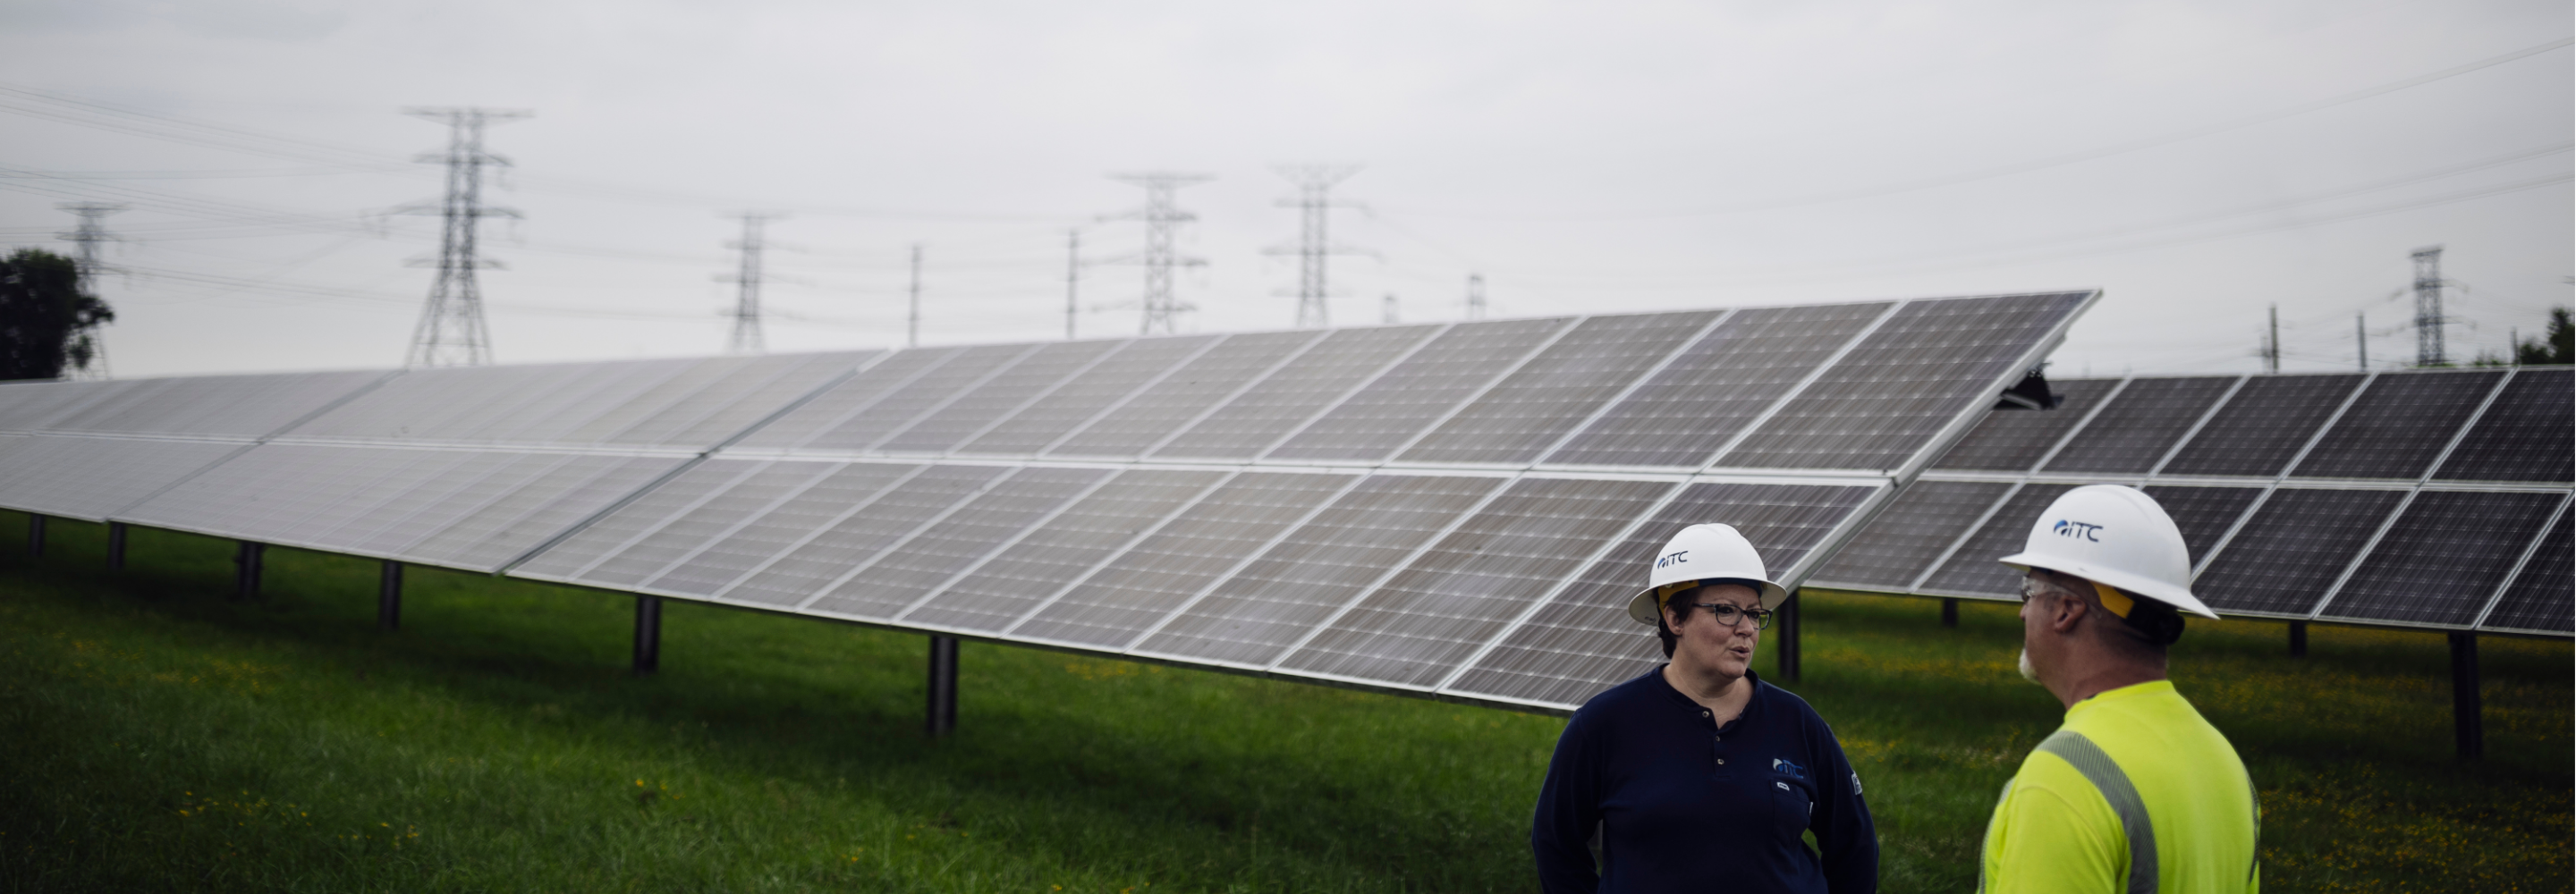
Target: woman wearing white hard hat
column 1698, row 775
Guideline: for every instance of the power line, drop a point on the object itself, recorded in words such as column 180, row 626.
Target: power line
column 451, row 330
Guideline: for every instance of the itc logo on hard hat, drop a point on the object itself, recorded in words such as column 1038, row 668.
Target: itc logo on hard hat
column 1672, row 559
column 2078, row 529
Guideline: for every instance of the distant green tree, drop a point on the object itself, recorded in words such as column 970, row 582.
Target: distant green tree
column 46, row 315
column 2559, row 346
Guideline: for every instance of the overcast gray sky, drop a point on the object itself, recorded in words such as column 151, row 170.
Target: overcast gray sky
column 2197, row 160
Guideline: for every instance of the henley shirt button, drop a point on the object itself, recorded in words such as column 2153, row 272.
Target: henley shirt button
column 1721, row 762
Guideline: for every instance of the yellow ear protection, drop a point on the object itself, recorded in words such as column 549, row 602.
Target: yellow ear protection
column 2119, row 603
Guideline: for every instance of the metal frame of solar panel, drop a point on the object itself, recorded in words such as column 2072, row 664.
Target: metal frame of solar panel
column 1443, row 510
column 2415, row 499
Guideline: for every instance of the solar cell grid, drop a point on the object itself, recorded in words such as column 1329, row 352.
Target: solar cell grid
column 2291, row 549
column 998, row 397
column 1148, row 581
column 2203, row 513
column 209, row 406
column 1259, row 611
column 1166, row 406
column 2014, row 440
column 960, row 372
column 28, row 405
column 2444, row 558
column 1041, row 423
column 1717, row 386
column 1881, row 403
column 780, row 527
column 740, row 398
column 911, row 569
column 678, row 536
column 535, row 404
column 265, row 493
column 2139, row 427
column 2527, row 434
column 858, row 534
column 386, row 527
column 2539, row 597
column 574, row 555
column 522, row 519
column 1530, row 410
column 1026, row 571
column 2398, row 426
column 1378, row 419
column 2263, row 426
column 91, row 478
column 1582, row 641
column 1283, row 400
column 1973, row 569
column 1417, row 627
column 1900, row 544
column 849, row 398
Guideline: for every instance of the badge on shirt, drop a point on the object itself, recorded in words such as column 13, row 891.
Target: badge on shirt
column 1792, row 770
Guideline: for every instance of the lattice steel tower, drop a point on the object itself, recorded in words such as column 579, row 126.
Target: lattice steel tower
column 746, row 306
column 1314, row 203
column 1162, row 219
column 451, row 330
column 88, row 350
column 2428, row 308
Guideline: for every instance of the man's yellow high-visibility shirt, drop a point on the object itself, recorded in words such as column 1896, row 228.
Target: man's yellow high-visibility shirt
column 2136, row 794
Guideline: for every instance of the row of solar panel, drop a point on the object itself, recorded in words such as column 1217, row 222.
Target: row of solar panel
column 2415, row 550
column 1872, row 383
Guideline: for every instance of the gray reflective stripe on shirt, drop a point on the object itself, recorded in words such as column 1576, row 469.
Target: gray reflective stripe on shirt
column 2105, row 774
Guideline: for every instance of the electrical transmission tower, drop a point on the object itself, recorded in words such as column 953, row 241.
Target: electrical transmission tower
column 1475, row 296
column 1162, row 220
column 1314, row 204
column 2428, row 308
column 451, row 330
column 88, row 350
column 746, row 306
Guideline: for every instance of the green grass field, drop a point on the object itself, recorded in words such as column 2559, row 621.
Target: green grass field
column 161, row 737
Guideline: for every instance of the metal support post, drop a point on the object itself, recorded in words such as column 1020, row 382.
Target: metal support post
column 2298, row 639
column 1949, row 613
column 35, row 534
column 115, row 546
column 247, row 562
column 1785, row 629
column 389, row 597
column 943, row 687
column 2468, row 726
column 648, row 634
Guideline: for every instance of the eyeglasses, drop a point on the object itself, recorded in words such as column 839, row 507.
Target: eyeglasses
column 1729, row 615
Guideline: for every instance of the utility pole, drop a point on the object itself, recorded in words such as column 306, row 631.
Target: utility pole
column 1314, row 203
column 912, row 326
column 1386, row 309
column 1162, row 219
column 88, row 350
column 1475, row 296
column 2272, row 343
column 2361, row 341
column 2428, row 308
column 451, row 330
column 1072, row 278
column 746, row 305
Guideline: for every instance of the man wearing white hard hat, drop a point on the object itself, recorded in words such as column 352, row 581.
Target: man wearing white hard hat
column 1697, row 775
column 2136, row 793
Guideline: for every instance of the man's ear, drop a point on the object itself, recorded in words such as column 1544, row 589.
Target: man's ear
column 2068, row 610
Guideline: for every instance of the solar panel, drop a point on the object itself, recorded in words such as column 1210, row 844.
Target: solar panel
column 91, row 478
column 2203, row 513
column 1717, row 386
column 2398, row 426
column 1972, row 569
column 1905, row 381
column 2444, row 546
column 2526, row 434
column 2015, row 441
column 1042, row 423
column 1381, row 417
column 1422, row 623
column 746, row 491
column 2292, row 549
column 1902, row 542
column 1582, row 640
column 2538, row 598
column 1150, row 580
column 604, row 539
column 1269, row 605
column 858, row 534
column 1000, row 395
column 1545, row 398
column 1020, row 577
column 2137, row 429
column 1282, row 401
column 2260, row 429
column 209, row 406
column 845, row 400
column 686, row 404
column 897, row 578
column 925, row 394
column 777, row 527
column 1162, row 409
column 26, row 405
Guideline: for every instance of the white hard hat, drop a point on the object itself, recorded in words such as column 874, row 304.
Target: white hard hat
column 1703, row 553
column 2114, row 535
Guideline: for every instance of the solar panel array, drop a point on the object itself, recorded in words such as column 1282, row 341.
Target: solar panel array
column 2435, row 498
column 1446, row 509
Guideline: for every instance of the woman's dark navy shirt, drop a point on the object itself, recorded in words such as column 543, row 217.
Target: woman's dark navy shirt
column 1682, row 804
